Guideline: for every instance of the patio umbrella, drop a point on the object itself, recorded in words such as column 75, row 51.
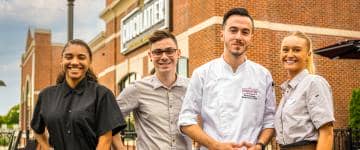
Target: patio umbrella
column 349, row 49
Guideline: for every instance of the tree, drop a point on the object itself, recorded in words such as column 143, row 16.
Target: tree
column 1, row 120
column 355, row 109
column 12, row 117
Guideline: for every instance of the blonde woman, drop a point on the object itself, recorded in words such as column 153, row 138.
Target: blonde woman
column 305, row 116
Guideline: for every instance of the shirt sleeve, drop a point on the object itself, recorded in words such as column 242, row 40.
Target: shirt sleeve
column 128, row 100
column 37, row 122
column 270, row 104
column 320, row 102
column 192, row 101
column 108, row 115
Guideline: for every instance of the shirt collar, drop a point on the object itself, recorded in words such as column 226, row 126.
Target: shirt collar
column 229, row 68
column 296, row 80
column 79, row 88
column 157, row 83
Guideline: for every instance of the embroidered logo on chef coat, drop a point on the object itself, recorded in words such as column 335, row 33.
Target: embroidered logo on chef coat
column 250, row 93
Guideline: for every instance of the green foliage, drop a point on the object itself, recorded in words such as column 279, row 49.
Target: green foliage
column 12, row 117
column 1, row 120
column 355, row 109
column 4, row 141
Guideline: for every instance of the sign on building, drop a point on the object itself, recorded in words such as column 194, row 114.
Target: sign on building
column 137, row 26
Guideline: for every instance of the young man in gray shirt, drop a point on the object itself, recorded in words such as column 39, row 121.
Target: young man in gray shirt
column 156, row 100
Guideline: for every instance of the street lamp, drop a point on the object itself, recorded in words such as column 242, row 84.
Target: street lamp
column 70, row 19
column 2, row 83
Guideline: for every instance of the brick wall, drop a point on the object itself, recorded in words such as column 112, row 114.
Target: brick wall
column 327, row 13
column 200, row 10
column 56, row 60
column 181, row 13
column 204, row 46
column 43, row 64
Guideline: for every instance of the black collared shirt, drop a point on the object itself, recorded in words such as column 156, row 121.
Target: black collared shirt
column 76, row 118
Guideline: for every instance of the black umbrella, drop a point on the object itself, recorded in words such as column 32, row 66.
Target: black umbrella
column 2, row 83
column 344, row 50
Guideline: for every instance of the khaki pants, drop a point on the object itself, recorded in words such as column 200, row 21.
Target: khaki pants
column 303, row 147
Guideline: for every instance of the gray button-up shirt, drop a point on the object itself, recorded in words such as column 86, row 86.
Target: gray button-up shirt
column 306, row 105
column 156, row 109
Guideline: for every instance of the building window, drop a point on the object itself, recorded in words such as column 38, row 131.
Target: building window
column 183, row 66
column 127, row 80
column 130, row 121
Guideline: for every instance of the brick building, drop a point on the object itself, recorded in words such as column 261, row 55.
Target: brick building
column 120, row 51
column 197, row 26
column 40, row 64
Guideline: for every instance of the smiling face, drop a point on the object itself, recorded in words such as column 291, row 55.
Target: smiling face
column 294, row 54
column 75, row 62
column 237, row 34
column 164, row 55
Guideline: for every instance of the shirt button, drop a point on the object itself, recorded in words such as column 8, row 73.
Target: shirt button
column 69, row 132
column 170, row 106
column 69, row 111
column 171, row 122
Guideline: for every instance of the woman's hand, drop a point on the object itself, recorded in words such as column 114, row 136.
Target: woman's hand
column 117, row 142
column 105, row 141
column 42, row 140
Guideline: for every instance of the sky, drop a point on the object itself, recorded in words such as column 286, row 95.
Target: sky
column 17, row 16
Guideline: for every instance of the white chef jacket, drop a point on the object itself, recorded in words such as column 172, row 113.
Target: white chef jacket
column 234, row 106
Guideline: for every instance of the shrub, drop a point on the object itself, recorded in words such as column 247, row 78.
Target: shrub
column 355, row 109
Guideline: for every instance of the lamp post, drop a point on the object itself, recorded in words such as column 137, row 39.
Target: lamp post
column 70, row 19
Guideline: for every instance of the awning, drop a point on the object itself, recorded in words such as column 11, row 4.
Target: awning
column 344, row 50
